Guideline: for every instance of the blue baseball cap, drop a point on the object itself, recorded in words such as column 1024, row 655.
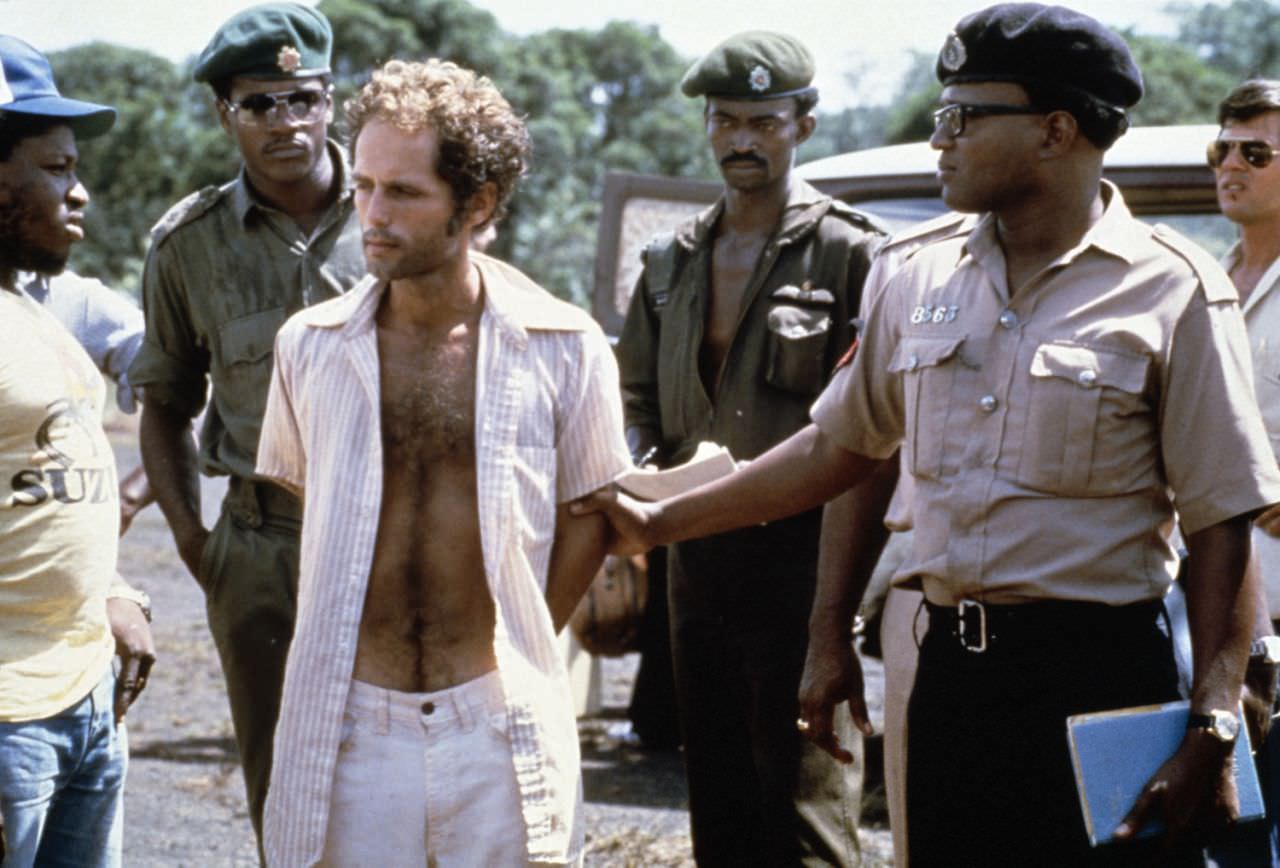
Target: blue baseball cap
column 26, row 87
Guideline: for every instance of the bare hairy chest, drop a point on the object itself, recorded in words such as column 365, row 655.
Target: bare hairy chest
column 427, row 398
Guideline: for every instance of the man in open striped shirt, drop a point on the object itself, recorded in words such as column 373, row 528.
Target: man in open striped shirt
column 435, row 420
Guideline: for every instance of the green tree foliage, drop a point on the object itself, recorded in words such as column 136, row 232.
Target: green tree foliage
column 1180, row 87
column 1240, row 38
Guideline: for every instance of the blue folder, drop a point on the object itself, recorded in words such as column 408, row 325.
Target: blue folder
column 1115, row 753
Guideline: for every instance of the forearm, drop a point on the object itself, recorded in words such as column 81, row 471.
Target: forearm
column 803, row 471
column 853, row 536
column 1221, row 609
column 171, row 463
column 576, row 555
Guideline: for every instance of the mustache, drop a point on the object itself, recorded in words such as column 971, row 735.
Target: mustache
column 379, row 237
column 743, row 159
column 289, row 141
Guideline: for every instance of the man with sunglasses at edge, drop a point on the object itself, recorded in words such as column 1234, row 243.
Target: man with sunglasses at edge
column 1060, row 379
column 227, row 266
column 1247, row 176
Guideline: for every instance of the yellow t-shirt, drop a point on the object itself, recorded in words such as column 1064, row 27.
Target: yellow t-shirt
column 59, row 516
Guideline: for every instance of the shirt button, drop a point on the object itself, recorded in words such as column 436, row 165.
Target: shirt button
column 913, row 362
column 1008, row 319
column 428, row 707
column 1087, row 377
column 988, row 403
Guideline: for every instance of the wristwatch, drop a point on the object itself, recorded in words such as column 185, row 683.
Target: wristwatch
column 1266, row 650
column 1222, row 725
column 133, row 595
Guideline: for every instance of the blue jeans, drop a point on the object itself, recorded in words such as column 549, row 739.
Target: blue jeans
column 62, row 786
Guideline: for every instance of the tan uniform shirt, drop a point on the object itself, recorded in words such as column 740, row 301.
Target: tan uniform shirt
column 1262, row 320
column 1052, row 432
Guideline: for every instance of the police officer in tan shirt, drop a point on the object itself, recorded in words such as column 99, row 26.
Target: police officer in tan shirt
column 1060, row 380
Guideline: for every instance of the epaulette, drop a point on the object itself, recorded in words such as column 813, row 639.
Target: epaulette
column 944, row 226
column 188, row 209
column 860, row 219
column 1214, row 282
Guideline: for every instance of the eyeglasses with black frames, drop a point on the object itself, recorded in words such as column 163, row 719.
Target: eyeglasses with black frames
column 950, row 120
column 301, row 106
column 1256, row 152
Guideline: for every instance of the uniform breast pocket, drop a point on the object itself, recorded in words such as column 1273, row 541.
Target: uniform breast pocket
column 928, row 370
column 1089, row 428
column 796, row 351
column 245, row 345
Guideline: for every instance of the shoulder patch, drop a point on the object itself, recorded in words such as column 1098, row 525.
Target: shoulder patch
column 188, row 209
column 1214, row 282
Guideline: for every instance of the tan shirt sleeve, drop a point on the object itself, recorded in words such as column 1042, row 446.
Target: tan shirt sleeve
column 281, row 456
column 1216, row 453
column 862, row 408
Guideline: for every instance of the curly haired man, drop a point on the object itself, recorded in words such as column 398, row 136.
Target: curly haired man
column 435, row 422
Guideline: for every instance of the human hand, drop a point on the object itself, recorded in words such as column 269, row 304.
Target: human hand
column 1269, row 520
column 630, row 521
column 135, row 648
column 1193, row 791
column 191, row 548
column 128, row 511
column 832, row 674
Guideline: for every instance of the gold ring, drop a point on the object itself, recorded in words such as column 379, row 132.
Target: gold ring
column 802, row 725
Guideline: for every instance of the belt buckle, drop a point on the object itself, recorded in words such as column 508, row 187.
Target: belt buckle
column 966, row 625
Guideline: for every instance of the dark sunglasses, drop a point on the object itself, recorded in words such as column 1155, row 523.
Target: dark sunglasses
column 1256, row 153
column 951, row 118
column 304, row 106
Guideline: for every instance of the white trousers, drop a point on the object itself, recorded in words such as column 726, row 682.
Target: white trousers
column 425, row 779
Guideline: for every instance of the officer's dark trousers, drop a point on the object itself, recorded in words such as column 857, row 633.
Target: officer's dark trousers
column 989, row 775
column 249, row 571
column 759, row 794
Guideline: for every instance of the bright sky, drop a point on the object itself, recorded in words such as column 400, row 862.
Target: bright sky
column 870, row 38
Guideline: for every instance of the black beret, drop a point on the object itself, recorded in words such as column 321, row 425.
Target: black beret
column 1028, row 43
column 753, row 65
column 274, row 40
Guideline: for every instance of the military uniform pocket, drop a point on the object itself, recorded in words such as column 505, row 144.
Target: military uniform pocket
column 245, row 345
column 797, row 348
column 927, row 367
column 1080, row 435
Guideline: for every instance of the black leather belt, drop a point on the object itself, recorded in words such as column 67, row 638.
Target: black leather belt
column 980, row 626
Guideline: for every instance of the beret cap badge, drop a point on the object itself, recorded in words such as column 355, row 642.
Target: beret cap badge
column 289, row 59
column 953, row 55
column 760, row 79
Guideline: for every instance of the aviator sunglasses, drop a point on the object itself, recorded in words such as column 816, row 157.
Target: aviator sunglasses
column 1256, row 153
column 303, row 106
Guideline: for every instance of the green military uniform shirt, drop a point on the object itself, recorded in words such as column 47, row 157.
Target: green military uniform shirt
column 223, row 274
column 795, row 323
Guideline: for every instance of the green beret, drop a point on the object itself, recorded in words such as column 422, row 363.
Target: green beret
column 1028, row 43
column 752, row 65
column 274, row 40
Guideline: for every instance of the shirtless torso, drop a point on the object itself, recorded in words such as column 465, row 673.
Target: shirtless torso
column 428, row 618
column 733, row 261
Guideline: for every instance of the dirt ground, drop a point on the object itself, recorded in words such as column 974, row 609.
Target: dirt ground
column 185, row 802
